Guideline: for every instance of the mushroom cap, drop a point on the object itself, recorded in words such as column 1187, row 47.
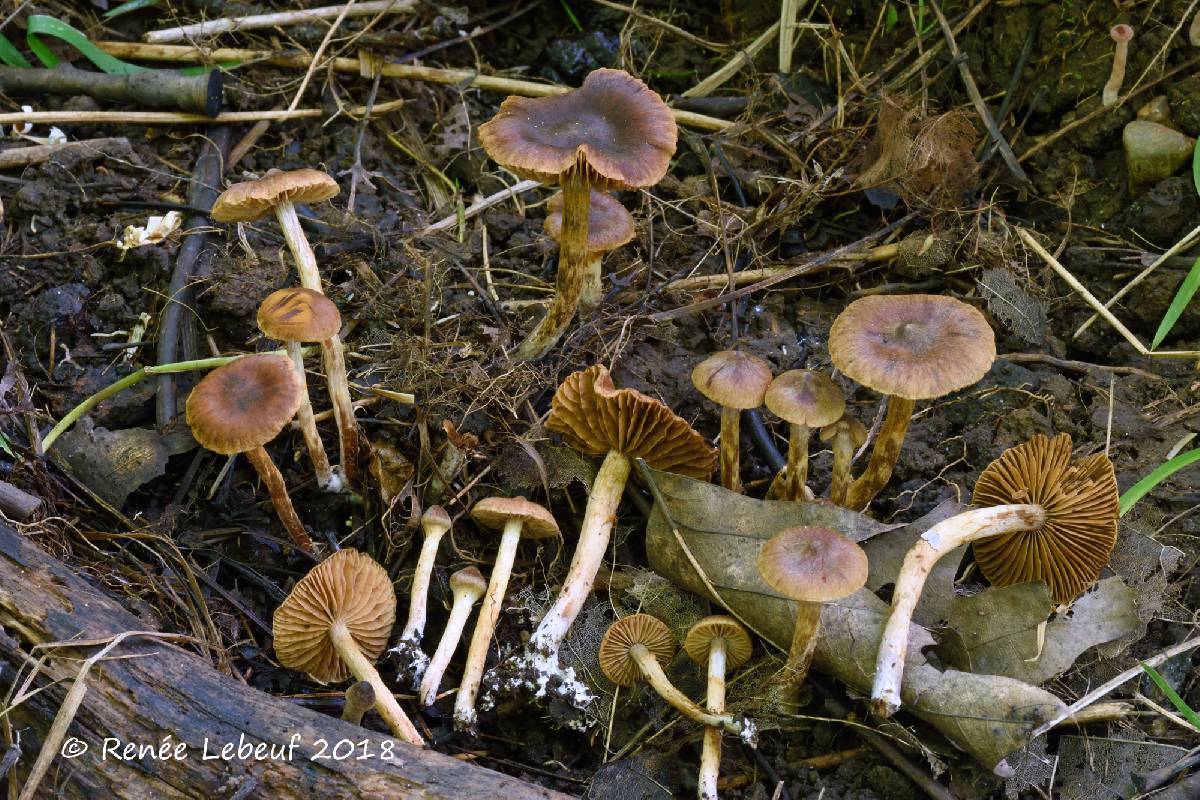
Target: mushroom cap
column 495, row 512
column 469, row 579
column 251, row 200
column 610, row 224
column 916, row 346
column 733, row 379
column 614, row 123
column 812, row 564
column 846, row 423
column 435, row 521
column 699, row 639
column 1121, row 32
column 615, row 661
column 1081, row 501
column 594, row 417
column 805, row 397
column 244, row 404
column 348, row 587
column 299, row 315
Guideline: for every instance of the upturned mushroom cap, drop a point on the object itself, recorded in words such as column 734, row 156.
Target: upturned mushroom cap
column 495, row 512
column 845, row 424
column 733, row 379
column 595, row 417
column 244, row 404
column 623, row 130
column 251, row 200
column 916, row 346
column 610, row 225
column 1081, row 501
column 469, row 579
column 805, row 397
column 348, row 587
column 699, row 639
column 299, row 315
column 812, row 564
column 435, row 520
column 615, row 661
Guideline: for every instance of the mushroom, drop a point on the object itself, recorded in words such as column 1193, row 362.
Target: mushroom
column 336, row 622
column 638, row 646
column 1122, row 35
column 805, row 400
column 811, row 565
column 514, row 517
column 1055, row 522
column 720, row 644
column 612, row 132
column 295, row 316
column 844, row 437
column 610, row 225
column 435, row 522
column 238, row 408
column 908, row 347
column 735, row 381
column 467, row 585
column 360, row 698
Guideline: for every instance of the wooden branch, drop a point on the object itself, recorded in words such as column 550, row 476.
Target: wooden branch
column 281, row 19
column 146, row 692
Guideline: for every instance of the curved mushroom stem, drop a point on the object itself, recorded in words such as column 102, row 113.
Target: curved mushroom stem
column 308, row 426
column 883, row 454
column 710, row 754
column 731, row 449
column 978, row 523
column 361, row 668
column 360, row 698
column 797, row 466
column 451, row 636
column 273, row 478
column 592, row 294
column 297, row 242
column 804, row 643
column 843, row 454
column 1112, row 87
column 343, row 407
column 414, row 627
column 659, row 681
column 485, row 626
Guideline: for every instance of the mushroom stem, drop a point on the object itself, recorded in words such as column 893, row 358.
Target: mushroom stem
column 343, row 406
column 361, row 668
column 297, row 242
column 414, row 627
column 273, row 479
column 804, row 643
column 797, row 466
column 710, row 753
column 572, row 266
column 978, row 523
column 308, row 426
column 1121, row 34
column 360, row 698
column 883, row 454
column 592, row 293
column 731, row 449
column 451, row 636
column 843, row 453
column 659, row 681
column 594, row 533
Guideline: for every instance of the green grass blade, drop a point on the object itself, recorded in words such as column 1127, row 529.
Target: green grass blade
column 1157, row 476
column 1183, row 708
column 1196, row 166
column 1179, row 304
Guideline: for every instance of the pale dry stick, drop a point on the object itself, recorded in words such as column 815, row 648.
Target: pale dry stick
column 38, row 153
column 743, row 58
column 169, row 117
column 666, row 26
column 1173, row 717
column 788, row 11
column 213, row 27
column 479, row 206
column 316, row 57
column 694, row 282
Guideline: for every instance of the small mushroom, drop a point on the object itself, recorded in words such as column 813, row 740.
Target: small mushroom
column 238, row 408
column 336, row 622
column 844, row 437
column 610, row 225
column 467, row 586
column 736, row 381
column 638, row 646
column 514, row 517
column 909, row 348
column 360, row 698
column 720, row 644
column 435, row 522
column 1121, row 35
column 805, row 400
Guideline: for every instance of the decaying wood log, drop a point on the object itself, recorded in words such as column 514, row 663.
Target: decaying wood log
column 148, row 691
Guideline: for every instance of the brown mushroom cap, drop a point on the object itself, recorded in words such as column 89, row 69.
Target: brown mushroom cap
column 495, row 512
column 916, row 346
column 699, row 639
column 348, row 587
column 845, row 424
column 436, row 517
column 805, row 397
column 299, row 315
column 624, row 130
column 733, row 379
column 616, row 663
column 812, row 564
column 251, row 200
column 244, row 404
column 1082, row 505
column 595, row 417
column 610, row 224
column 469, row 579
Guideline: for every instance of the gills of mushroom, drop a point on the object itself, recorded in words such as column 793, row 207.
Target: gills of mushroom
column 844, row 436
column 720, row 644
column 610, row 225
column 336, row 622
column 805, row 400
column 435, row 522
column 468, row 586
column 736, row 381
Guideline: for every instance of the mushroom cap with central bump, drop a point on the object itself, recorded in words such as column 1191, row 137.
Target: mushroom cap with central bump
column 595, row 417
column 1081, row 502
column 610, row 224
column 622, row 129
column 251, row 200
column 699, row 639
column 348, row 587
column 812, row 564
column 916, row 346
column 299, row 315
column 733, row 379
column 469, row 579
column 244, row 404
column 495, row 512
column 805, row 397
column 436, row 518
column 615, row 661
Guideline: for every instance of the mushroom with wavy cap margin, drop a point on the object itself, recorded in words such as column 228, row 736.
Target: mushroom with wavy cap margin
column 720, row 644
column 805, row 400
column 736, row 381
column 610, row 225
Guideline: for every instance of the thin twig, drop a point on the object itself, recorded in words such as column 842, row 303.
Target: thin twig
column 742, row 58
column 666, row 26
column 478, row 206
column 278, row 20
column 172, row 117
